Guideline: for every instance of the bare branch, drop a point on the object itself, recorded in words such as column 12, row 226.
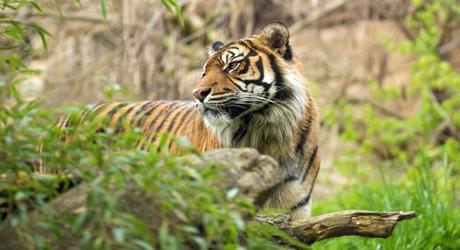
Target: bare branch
column 352, row 222
column 382, row 109
column 317, row 15
column 448, row 47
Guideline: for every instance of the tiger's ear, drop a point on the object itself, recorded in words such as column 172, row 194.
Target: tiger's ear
column 276, row 36
column 215, row 47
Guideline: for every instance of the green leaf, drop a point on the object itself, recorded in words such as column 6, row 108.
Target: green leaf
column 143, row 244
column 42, row 33
column 119, row 234
column 174, row 7
column 36, row 6
column 9, row 47
column 103, row 7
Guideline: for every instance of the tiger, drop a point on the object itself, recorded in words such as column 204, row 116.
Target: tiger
column 252, row 93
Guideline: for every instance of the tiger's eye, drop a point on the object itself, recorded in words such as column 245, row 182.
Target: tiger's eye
column 233, row 66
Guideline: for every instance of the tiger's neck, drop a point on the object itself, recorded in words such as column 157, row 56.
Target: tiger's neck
column 270, row 132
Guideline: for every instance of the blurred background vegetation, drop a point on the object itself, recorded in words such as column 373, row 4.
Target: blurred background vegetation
column 386, row 75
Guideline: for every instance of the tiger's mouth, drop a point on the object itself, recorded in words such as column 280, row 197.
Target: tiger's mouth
column 206, row 108
column 234, row 105
column 234, row 108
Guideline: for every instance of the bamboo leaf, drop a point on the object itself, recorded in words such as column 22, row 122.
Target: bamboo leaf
column 174, row 7
column 103, row 7
column 42, row 33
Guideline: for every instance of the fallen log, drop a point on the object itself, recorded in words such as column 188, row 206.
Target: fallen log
column 352, row 222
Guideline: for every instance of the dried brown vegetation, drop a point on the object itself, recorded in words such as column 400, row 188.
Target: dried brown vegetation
column 141, row 47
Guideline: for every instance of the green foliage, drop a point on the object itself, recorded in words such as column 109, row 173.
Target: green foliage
column 13, row 32
column 185, row 194
column 426, row 142
column 433, row 84
column 429, row 192
column 257, row 231
column 103, row 7
column 173, row 6
column 21, row 126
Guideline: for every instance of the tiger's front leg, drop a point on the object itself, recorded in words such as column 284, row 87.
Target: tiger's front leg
column 294, row 196
column 295, row 193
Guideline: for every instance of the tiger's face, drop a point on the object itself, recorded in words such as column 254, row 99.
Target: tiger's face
column 246, row 76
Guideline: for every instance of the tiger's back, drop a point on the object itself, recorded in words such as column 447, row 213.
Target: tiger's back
column 153, row 118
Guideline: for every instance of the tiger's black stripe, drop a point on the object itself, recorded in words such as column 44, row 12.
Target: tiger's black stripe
column 147, row 127
column 307, row 198
column 236, row 110
column 259, row 81
column 288, row 55
column 167, row 113
column 187, row 112
column 146, row 115
column 302, row 202
column 304, row 132
column 96, row 107
column 246, row 61
column 236, row 85
column 282, row 92
column 140, row 114
column 116, row 108
column 245, row 68
column 239, row 134
column 119, row 122
column 310, row 162
column 290, row 178
column 220, row 96
column 65, row 123
column 141, row 109
column 242, row 130
column 91, row 113
column 179, row 113
column 251, row 46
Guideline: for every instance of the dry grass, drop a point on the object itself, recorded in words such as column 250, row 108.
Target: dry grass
column 141, row 48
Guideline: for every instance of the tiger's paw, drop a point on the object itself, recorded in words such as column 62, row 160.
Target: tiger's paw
column 301, row 213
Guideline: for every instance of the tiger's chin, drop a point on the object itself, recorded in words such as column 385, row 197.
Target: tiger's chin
column 213, row 118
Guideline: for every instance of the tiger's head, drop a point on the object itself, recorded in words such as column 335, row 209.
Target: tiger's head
column 250, row 76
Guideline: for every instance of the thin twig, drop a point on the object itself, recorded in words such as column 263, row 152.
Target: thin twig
column 317, row 15
column 382, row 109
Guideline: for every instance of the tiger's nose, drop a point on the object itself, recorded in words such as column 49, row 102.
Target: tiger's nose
column 201, row 93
